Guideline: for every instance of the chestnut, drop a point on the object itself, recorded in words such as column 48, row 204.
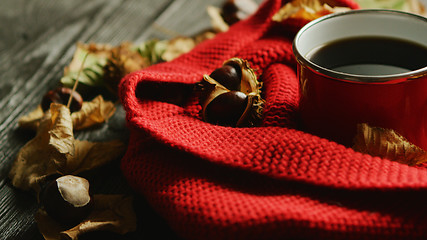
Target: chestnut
column 62, row 95
column 227, row 108
column 236, row 10
column 231, row 95
column 67, row 199
column 229, row 75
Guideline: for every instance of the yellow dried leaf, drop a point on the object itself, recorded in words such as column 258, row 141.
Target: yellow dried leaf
column 307, row 10
column 33, row 160
column 89, row 155
column 32, row 119
column 217, row 21
column 386, row 143
column 113, row 213
column 123, row 59
column 61, row 133
column 417, row 7
column 202, row 36
column 178, row 46
column 92, row 113
column 54, row 150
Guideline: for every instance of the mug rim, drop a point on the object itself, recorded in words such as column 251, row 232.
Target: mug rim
column 356, row 77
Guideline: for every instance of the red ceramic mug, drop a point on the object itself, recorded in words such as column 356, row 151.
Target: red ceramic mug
column 338, row 91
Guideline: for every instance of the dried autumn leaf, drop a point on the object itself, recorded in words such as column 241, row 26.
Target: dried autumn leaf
column 305, row 10
column 123, row 59
column 95, row 57
column 61, row 136
column 205, row 35
column 386, row 143
column 61, row 133
column 416, row 7
column 113, row 213
column 54, row 150
column 217, row 21
column 177, row 47
column 32, row 119
column 92, row 113
column 103, row 65
column 90, row 155
column 33, row 160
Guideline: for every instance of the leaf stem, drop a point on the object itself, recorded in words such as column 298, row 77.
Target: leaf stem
column 70, row 99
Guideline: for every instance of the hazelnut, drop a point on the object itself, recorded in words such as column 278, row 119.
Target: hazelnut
column 67, row 199
column 62, row 95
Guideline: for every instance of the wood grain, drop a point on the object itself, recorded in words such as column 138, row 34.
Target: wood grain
column 37, row 40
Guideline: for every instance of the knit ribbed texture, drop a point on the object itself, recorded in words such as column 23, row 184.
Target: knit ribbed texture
column 268, row 182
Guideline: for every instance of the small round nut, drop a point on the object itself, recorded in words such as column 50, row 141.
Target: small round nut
column 67, row 199
column 222, row 104
column 229, row 75
column 227, row 108
column 236, row 10
column 62, row 95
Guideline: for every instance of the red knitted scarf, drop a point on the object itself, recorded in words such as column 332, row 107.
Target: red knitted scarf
column 269, row 182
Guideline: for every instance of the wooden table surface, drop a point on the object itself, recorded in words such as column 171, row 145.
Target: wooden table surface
column 37, row 40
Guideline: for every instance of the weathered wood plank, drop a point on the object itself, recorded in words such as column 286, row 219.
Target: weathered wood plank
column 37, row 40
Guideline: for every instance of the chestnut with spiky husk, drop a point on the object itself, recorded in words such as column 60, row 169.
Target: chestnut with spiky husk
column 231, row 95
column 67, row 199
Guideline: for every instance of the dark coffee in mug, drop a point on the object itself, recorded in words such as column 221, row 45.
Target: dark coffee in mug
column 363, row 66
column 370, row 55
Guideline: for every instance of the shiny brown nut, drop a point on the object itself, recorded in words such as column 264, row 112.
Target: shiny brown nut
column 236, row 10
column 228, row 75
column 222, row 104
column 62, row 95
column 227, row 108
column 67, row 199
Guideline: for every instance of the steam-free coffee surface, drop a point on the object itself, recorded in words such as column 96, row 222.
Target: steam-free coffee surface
column 370, row 56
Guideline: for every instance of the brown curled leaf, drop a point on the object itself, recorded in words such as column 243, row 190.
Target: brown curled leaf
column 93, row 113
column 305, row 10
column 33, row 159
column 123, row 59
column 387, row 143
column 32, row 119
column 217, row 21
column 178, row 46
column 90, row 155
column 54, row 150
column 61, row 132
column 112, row 213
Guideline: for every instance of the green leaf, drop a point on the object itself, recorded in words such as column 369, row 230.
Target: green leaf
column 93, row 69
column 386, row 4
column 153, row 50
